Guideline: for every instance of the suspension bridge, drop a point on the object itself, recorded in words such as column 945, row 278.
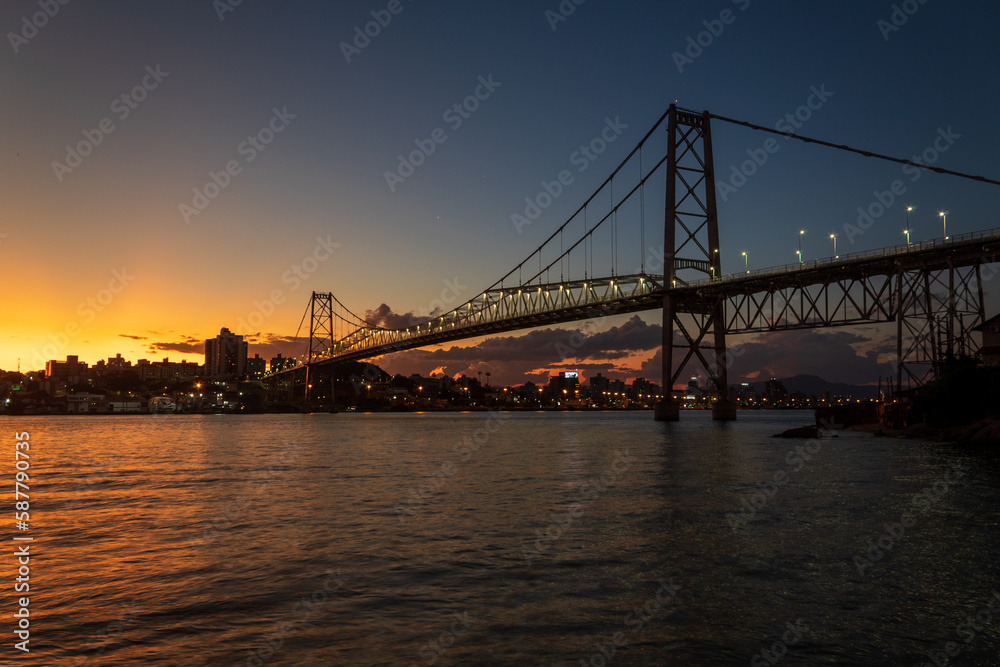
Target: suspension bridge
column 931, row 290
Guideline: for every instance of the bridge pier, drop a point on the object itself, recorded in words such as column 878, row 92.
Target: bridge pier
column 667, row 410
column 724, row 410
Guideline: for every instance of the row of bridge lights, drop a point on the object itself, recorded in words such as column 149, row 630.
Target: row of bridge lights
column 798, row 253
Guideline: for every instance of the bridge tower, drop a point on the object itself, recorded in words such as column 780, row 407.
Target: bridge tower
column 691, row 252
column 320, row 330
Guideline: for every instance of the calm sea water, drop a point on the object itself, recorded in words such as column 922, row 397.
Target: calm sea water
column 467, row 539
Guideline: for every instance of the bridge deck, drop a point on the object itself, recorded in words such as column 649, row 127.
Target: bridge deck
column 509, row 309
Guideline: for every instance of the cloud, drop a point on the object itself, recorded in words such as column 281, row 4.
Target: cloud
column 834, row 355
column 385, row 318
column 187, row 346
column 133, row 337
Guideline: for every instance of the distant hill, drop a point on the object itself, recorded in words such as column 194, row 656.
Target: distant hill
column 813, row 385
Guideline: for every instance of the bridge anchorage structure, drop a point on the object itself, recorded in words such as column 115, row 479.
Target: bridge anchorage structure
column 931, row 290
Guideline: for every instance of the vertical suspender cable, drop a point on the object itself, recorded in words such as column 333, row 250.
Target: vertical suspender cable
column 642, row 218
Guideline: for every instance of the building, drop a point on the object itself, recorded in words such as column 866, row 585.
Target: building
column 775, row 392
column 280, row 363
column 990, row 351
column 168, row 370
column 565, row 385
column 125, row 406
column 599, row 384
column 86, row 403
column 225, row 356
column 745, row 394
column 118, row 364
column 256, row 367
column 71, row 371
column 644, row 390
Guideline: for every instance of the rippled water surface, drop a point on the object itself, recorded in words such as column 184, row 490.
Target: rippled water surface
column 468, row 539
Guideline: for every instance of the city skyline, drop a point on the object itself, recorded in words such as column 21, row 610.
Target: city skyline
column 228, row 172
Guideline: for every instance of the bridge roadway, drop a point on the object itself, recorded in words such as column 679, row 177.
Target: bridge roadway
column 794, row 296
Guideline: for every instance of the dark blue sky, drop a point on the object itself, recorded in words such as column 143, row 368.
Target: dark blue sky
column 324, row 174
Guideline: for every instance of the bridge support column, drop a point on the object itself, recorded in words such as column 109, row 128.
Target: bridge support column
column 691, row 252
column 724, row 410
column 667, row 410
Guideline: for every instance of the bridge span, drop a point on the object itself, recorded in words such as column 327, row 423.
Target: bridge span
column 931, row 290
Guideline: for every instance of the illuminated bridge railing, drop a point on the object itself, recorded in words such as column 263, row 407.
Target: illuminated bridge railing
column 901, row 249
column 496, row 307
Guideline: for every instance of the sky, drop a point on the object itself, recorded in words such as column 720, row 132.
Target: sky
column 169, row 169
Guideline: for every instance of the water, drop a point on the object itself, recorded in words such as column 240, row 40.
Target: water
column 292, row 540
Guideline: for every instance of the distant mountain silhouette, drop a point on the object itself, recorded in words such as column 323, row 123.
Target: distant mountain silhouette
column 813, row 385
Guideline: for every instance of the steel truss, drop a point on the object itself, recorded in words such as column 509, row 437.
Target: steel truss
column 320, row 325
column 937, row 311
column 691, row 251
column 507, row 309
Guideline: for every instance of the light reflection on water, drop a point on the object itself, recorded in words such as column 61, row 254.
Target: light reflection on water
column 455, row 539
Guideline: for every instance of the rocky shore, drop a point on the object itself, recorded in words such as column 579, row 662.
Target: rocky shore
column 984, row 431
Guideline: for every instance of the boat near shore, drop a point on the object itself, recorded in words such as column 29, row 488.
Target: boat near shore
column 162, row 405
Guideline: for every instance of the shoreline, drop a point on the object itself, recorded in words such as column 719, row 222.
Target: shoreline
column 983, row 431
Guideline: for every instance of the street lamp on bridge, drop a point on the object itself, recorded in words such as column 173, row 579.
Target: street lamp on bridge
column 799, row 252
column 908, row 209
column 746, row 262
column 834, row 237
column 907, row 232
column 944, row 220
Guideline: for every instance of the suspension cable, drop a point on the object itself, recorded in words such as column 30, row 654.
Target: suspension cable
column 291, row 349
column 842, row 147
